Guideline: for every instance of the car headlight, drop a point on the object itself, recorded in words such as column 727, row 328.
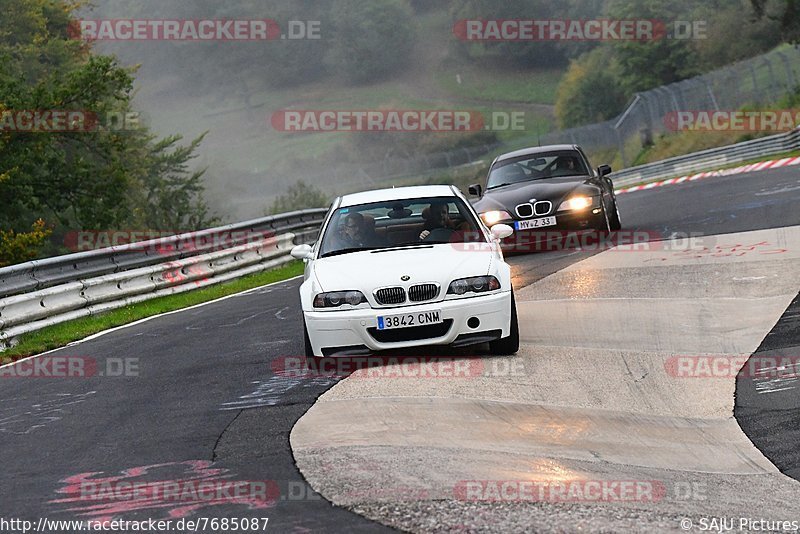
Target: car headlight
column 493, row 217
column 475, row 284
column 576, row 203
column 334, row 299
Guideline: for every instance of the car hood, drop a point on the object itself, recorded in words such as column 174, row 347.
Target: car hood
column 553, row 189
column 366, row 271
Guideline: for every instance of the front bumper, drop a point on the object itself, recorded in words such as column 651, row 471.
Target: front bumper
column 552, row 237
column 332, row 332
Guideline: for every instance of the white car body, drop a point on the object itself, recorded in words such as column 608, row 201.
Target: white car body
column 353, row 330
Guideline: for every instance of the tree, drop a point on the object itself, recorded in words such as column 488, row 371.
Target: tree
column 785, row 11
column 589, row 91
column 299, row 196
column 19, row 247
column 99, row 176
column 650, row 63
column 371, row 40
column 526, row 54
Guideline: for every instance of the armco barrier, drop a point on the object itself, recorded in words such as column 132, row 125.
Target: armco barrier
column 53, row 290
column 38, row 274
column 20, row 314
column 710, row 159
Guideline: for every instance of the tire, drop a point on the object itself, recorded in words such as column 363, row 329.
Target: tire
column 614, row 222
column 508, row 345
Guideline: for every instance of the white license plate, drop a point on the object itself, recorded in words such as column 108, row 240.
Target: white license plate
column 407, row 320
column 535, row 223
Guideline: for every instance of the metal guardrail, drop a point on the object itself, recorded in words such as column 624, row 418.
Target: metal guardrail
column 39, row 274
column 44, row 292
column 710, row 159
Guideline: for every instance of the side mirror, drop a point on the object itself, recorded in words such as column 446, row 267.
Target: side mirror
column 475, row 190
column 604, row 170
column 302, row 252
column 501, row 231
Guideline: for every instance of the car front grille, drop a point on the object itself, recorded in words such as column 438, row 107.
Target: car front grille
column 525, row 210
column 540, row 208
column 390, row 295
column 421, row 292
column 413, row 333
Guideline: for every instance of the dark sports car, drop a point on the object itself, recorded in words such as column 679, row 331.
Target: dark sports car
column 544, row 190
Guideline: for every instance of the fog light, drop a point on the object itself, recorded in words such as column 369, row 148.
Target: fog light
column 596, row 211
column 473, row 322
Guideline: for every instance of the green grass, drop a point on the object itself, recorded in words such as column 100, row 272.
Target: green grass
column 62, row 334
column 531, row 87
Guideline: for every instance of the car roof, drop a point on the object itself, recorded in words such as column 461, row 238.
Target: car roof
column 534, row 150
column 396, row 193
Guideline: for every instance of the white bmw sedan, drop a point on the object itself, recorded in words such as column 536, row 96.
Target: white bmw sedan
column 406, row 267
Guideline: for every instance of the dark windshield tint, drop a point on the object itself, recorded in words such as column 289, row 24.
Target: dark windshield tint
column 537, row 167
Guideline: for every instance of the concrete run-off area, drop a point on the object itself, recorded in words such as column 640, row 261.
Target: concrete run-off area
column 603, row 421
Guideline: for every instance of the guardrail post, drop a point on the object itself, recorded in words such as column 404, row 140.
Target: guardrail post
column 755, row 78
column 621, row 144
column 772, row 83
column 789, row 71
column 711, row 95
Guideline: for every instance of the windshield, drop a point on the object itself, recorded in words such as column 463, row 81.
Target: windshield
column 537, row 167
column 404, row 223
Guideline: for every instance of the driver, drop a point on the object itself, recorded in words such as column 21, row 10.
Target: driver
column 436, row 216
column 567, row 163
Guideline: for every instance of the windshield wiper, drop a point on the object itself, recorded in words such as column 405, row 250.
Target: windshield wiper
column 501, row 185
column 345, row 251
column 425, row 244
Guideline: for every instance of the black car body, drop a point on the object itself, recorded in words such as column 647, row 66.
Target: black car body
column 545, row 190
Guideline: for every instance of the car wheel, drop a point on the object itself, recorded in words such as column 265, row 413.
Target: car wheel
column 508, row 345
column 615, row 222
